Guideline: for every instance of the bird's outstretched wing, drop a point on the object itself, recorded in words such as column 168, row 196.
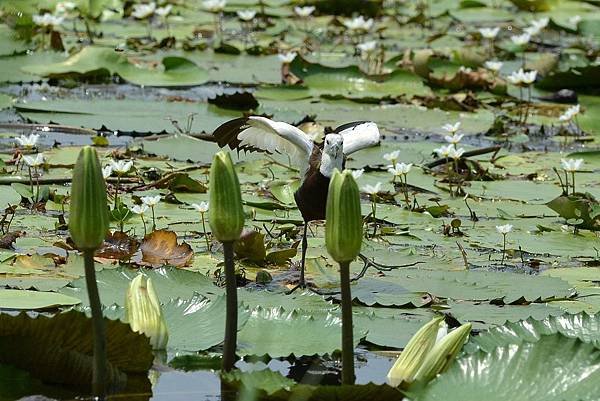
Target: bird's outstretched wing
column 260, row 133
column 358, row 135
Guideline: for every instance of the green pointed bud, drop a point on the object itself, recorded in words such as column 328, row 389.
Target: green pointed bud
column 443, row 353
column 226, row 214
column 412, row 357
column 344, row 225
column 144, row 313
column 88, row 216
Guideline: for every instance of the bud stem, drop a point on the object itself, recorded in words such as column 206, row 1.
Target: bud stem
column 99, row 373
column 347, row 334
column 231, row 312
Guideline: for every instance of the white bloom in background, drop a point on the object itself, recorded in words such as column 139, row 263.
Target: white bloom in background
column 372, row 189
column 121, row 166
column 571, row 165
column 107, row 171
column 392, row 156
column 451, row 128
column 529, row 77
column 465, row 70
column 164, row 11
column 570, row 113
column 151, row 200
column 34, row 161
column 400, row 169
column 532, row 30
column 367, row 47
column 505, row 229
column 456, row 154
column 541, row 23
column 443, row 151
column 27, row 141
column 214, row 6
column 246, row 15
column 489, row 33
column 575, row 20
column 454, row 139
column 140, row 209
column 304, row 12
column 493, row 65
column 202, row 207
column 356, row 174
column 521, row 40
column 358, row 24
column 64, row 7
column 287, row 58
column 142, row 11
column 47, row 20
column 521, row 77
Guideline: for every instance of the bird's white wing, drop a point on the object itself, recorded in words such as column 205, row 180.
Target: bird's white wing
column 358, row 135
column 256, row 132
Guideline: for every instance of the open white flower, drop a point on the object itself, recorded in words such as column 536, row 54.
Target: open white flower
column 392, row 156
column 202, row 207
column 575, row 20
column 443, row 151
column 541, row 23
column 522, row 78
column 372, row 189
column 400, row 169
column 505, row 229
column 451, row 128
column 571, row 165
column 47, row 20
column 358, row 24
column 246, row 15
column 164, row 11
column 489, row 33
column 493, row 65
column 287, row 58
column 356, row 174
column 214, row 6
column 465, row 70
column 142, row 11
column 140, row 209
column 34, row 161
column 28, row 141
column 107, row 171
column 64, row 7
column 367, row 47
column 121, row 166
column 529, row 77
column 454, row 139
column 570, row 113
column 521, row 40
column 151, row 201
column 456, row 154
column 304, row 12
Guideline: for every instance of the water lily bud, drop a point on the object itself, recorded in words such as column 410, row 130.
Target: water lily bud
column 344, row 225
column 443, row 353
column 144, row 313
column 408, row 363
column 88, row 217
column 226, row 214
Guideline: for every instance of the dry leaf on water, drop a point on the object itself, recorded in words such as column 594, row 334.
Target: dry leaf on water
column 161, row 248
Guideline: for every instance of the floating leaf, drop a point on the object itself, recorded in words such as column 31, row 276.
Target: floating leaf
column 160, row 248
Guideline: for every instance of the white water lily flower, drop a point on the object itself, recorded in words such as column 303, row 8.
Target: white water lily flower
column 454, row 139
column 571, row 165
column 107, row 171
column 214, row 6
column 304, row 12
column 34, row 161
column 367, row 47
column 575, row 20
column 489, row 33
column 392, row 156
column 540, row 23
column 164, row 11
column 521, row 40
column 246, row 15
column 505, row 229
column 64, row 7
column 493, row 65
column 451, row 128
column 202, row 207
column 529, row 77
column 28, row 141
column 121, row 166
column 522, row 78
column 142, row 11
column 47, row 20
column 443, row 151
column 358, row 24
column 151, row 200
column 400, row 169
column 356, row 174
column 287, row 58
column 464, row 69
column 372, row 189
column 456, row 154
column 140, row 209
column 570, row 113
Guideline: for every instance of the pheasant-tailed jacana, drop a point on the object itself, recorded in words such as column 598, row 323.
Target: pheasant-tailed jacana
column 316, row 161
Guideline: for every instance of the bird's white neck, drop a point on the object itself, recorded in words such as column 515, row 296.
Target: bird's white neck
column 330, row 163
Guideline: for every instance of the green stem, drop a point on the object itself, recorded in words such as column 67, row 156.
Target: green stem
column 153, row 219
column 573, row 181
column 37, row 185
column 374, row 213
column 205, row 234
column 347, row 334
column 99, row 376
column 503, row 248
column 117, row 190
column 144, row 223
column 231, row 311
column 405, row 188
column 30, row 181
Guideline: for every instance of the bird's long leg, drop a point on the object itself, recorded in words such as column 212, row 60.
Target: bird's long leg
column 303, row 260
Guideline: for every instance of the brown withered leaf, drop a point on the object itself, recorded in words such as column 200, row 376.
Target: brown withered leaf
column 118, row 245
column 161, row 248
